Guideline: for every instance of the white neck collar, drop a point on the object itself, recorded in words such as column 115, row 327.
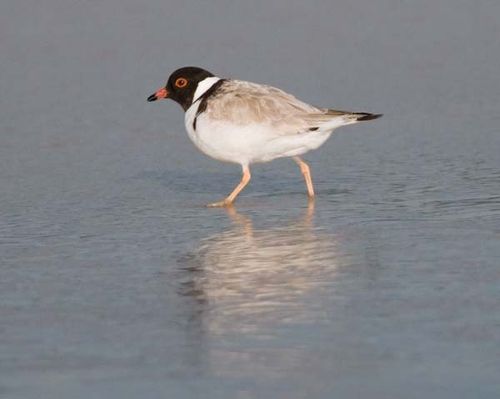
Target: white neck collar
column 203, row 86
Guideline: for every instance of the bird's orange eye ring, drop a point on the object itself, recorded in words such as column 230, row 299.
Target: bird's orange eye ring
column 181, row 82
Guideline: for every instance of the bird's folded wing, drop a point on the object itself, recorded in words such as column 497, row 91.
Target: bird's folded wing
column 244, row 103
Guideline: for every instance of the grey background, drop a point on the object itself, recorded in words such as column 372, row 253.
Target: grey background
column 117, row 283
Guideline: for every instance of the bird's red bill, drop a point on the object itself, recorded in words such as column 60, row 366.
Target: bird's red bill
column 162, row 93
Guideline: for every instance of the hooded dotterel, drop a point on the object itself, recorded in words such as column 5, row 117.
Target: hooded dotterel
column 243, row 122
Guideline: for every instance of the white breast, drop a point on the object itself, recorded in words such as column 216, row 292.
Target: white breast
column 208, row 136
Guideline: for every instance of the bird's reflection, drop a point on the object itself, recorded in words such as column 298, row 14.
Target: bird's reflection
column 247, row 278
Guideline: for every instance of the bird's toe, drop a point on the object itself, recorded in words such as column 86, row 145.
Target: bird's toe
column 219, row 204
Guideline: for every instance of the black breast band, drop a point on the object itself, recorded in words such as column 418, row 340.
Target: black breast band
column 204, row 97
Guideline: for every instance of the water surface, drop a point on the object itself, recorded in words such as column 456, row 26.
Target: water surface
column 116, row 282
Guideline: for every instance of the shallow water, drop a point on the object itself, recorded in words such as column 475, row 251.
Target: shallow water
column 116, row 282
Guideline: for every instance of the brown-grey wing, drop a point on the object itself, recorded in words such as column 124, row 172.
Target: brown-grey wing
column 245, row 103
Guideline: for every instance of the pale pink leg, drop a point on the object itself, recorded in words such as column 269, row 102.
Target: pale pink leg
column 231, row 197
column 306, row 171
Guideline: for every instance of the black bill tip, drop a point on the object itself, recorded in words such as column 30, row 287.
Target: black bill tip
column 152, row 97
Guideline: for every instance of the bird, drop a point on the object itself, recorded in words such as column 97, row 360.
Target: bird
column 243, row 122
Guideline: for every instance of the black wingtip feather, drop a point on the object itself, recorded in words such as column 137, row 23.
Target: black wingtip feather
column 368, row 117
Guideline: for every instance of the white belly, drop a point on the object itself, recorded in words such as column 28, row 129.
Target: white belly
column 246, row 144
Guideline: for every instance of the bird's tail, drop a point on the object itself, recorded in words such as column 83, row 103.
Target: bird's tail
column 364, row 116
column 349, row 118
column 332, row 119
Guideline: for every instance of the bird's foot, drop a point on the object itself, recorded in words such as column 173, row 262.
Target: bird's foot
column 220, row 204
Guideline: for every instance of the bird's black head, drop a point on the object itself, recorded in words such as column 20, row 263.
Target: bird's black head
column 181, row 86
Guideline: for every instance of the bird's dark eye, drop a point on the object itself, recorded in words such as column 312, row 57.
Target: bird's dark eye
column 181, row 82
